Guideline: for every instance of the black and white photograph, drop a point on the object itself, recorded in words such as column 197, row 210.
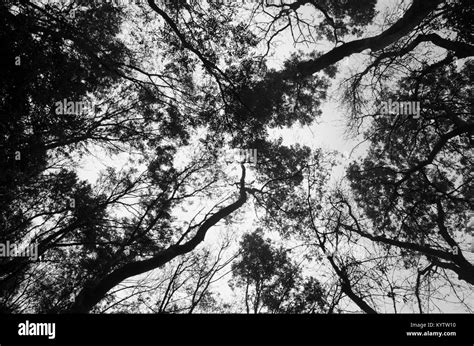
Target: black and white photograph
column 204, row 170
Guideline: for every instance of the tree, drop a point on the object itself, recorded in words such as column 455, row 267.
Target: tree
column 169, row 97
column 272, row 283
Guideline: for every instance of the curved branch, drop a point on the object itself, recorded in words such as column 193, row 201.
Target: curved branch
column 91, row 295
column 413, row 17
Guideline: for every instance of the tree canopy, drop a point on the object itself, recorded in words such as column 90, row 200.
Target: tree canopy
column 165, row 89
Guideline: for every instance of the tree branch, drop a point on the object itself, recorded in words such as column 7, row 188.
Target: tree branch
column 91, row 295
column 413, row 17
